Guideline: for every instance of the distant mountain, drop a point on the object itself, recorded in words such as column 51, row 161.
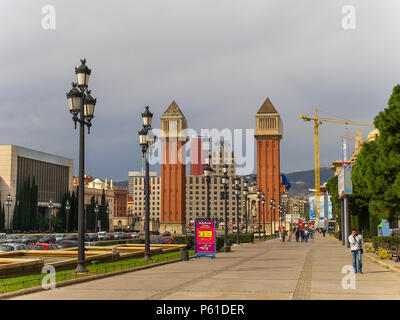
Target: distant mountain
column 301, row 181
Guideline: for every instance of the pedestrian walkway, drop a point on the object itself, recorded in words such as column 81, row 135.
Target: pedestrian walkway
column 270, row 270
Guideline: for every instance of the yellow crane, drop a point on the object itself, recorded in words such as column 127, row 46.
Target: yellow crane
column 317, row 123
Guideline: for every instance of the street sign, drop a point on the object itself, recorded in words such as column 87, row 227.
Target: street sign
column 345, row 185
column 205, row 240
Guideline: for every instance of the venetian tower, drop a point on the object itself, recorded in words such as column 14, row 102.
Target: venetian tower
column 173, row 171
column 268, row 134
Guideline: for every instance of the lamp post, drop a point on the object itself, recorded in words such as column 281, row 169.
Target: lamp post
column 259, row 212
column 245, row 193
column 225, row 182
column 108, row 212
column 96, row 212
column 9, row 204
column 145, row 142
column 237, row 191
column 81, row 105
column 279, row 213
column 263, row 205
column 272, row 214
column 207, row 173
column 67, row 209
column 51, row 206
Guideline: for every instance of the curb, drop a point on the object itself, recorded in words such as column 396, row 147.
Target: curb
column 85, row 279
column 376, row 260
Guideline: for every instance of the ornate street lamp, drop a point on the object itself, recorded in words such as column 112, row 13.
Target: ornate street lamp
column 50, row 206
column 96, row 212
column 245, row 193
column 146, row 139
column 67, row 209
column 9, row 202
column 237, row 191
column 225, row 182
column 272, row 212
column 263, row 205
column 259, row 212
column 81, row 105
column 207, row 174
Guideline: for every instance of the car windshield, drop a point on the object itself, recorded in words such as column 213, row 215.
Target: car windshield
column 4, row 248
column 28, row 237
column 38, row 247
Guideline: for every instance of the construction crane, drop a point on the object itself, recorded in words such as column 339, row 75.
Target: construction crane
column 317, row 123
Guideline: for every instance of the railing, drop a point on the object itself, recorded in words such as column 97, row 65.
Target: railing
column 93, row 270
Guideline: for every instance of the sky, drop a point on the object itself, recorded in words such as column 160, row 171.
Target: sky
column 218, row 59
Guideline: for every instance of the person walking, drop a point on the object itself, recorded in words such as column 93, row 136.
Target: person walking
column 306, row 235
column 323, row 232
column 290, row 234
column 356, row 246
column 280, row 234
column 302, row 235
column 283, row 234
column 297, row 234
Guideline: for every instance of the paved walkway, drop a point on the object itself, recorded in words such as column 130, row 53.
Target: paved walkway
column 271, row 270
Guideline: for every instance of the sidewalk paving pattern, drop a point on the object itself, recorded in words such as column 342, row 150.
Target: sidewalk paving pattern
column 270, row 270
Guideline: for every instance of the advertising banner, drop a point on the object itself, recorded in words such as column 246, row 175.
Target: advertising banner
column 311, row 208
column 205, row 240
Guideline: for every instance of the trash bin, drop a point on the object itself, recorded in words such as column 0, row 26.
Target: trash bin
column 185, row 255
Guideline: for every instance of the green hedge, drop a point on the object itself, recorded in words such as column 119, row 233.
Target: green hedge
column 393, row 241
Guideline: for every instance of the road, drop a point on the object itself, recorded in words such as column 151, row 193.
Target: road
column 270, row 270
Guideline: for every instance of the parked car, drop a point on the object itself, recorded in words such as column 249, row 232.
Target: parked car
column 166, row 234
column 48, row 239
column 118, row 235
column 71, row 237
column 67, row 244
column 158, row 241
column 3, row 237
column 13, row 239
column 135, row 235
column 168, row 240
column 60, row 237
column 93, row 237
column 102, row 236
column 13, row 247
column 44, row 246
column 28, row 239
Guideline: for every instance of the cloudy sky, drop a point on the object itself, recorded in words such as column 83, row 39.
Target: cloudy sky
column 219, row 59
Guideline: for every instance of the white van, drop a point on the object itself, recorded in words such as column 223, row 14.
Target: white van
column 3, row 238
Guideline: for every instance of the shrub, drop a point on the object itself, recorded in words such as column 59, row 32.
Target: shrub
column 368, row 249
column 384, row 254
column 393, row 241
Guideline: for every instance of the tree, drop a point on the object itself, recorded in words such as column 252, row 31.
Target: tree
column 376, row 174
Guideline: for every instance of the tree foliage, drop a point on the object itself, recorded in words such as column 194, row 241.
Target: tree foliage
column 376, row 174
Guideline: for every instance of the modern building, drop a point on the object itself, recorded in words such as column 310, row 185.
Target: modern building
column 173, row 170
column 137, row 203
column 196, row 190
column 52, row 174
column 268, row 133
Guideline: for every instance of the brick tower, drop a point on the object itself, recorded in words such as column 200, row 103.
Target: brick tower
column 268, row 134
column 173, row 171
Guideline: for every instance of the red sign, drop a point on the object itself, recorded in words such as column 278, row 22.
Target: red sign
column 205, row 237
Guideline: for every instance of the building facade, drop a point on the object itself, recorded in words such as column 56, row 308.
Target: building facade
column 52, row 174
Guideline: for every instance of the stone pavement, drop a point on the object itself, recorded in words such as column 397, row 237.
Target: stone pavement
column 270, row 270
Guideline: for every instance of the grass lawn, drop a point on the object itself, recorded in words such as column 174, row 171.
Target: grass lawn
column 24, row 282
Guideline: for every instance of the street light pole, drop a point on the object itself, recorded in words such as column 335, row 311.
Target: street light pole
column 263, row 205
column 237, row 191
column 207, row 173
column 146, row 139
column 259, row 212
column 272, row 212
column 51, row 206
column 67, row 208
column 81, row 103
column 245, row 193
column 9, row 204
column 225, row 181
column 96, row 211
